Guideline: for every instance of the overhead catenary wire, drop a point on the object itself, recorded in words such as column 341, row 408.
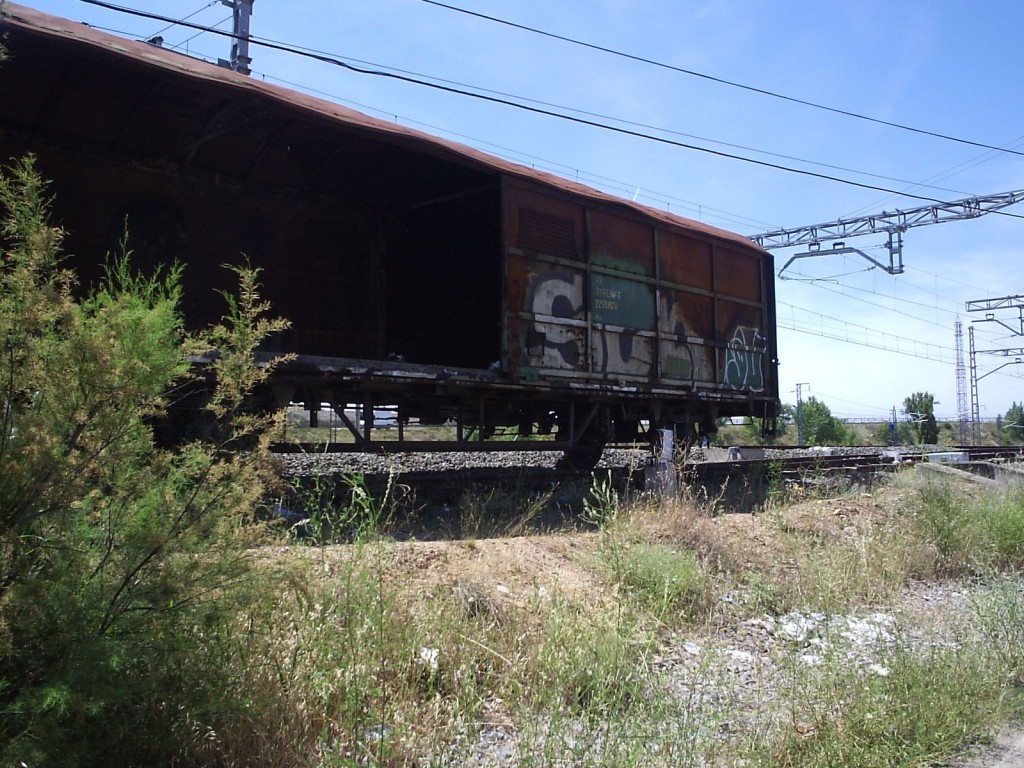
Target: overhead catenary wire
column 723, row 81
column 954, row 170
column 331, row 59
column 656, row 196
column 956, row 306
column 188, row 40
column 830, row 289
column 173, row 24
column 838, row 329
column 954, row 309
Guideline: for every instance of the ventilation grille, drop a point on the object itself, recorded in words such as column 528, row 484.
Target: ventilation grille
column 547, row 234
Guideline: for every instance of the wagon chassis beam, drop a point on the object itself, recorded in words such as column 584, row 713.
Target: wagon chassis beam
column 472, row 435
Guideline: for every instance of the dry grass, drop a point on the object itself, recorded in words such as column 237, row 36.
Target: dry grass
column 403, row 653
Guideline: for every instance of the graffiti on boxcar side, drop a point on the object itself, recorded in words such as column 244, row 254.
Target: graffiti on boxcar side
column 621, row 351
column 556, row 295
column 681, row 359
column 621, row 309
column 744, row 360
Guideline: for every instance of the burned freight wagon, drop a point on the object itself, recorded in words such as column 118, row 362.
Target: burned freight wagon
column 418, row 274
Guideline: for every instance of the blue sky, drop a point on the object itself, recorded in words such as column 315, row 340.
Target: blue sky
column 940, row 65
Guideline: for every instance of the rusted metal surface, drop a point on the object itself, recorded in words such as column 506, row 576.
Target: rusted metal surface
column 460, row 283
column 602, row 293
column 174, row 103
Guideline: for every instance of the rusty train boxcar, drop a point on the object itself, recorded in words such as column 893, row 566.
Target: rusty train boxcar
column 416, row 272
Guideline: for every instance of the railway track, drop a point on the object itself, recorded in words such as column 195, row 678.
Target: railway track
column 440, row 480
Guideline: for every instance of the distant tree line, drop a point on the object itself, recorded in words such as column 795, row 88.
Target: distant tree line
column 813, row 424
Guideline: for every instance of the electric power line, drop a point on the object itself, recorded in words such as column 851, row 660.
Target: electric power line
column 662, row 198
column 188, row 40
column 330, row 59
column 204, row 29
column 828, row 333
column 174, row 24
column 712, row 78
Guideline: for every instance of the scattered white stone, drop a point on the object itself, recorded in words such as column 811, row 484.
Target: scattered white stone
column 799, row 627
column 429, row 657
column 767, row 623
column 377, row 733
column 872, row 630
column 737, row 655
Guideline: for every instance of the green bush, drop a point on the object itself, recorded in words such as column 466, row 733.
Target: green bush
column 670, row 582
column 120, row 563
column 911, row 708
column 973, row 535
column 588, row 664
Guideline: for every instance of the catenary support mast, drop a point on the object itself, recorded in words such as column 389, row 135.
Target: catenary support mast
column 241, row 14
column 891, row 223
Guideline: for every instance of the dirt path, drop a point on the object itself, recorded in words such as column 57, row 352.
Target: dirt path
column 1007, row 752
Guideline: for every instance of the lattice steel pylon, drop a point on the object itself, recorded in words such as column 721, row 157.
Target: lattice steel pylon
column 975, row 407
column 1017, row 353
column 963, row 412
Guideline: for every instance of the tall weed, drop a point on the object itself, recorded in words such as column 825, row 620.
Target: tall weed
column 485, row 513
column 999, row 613
column 339, row 508
column 912, row 707
column 121, row 561
column 972, row 534
column 671, row 583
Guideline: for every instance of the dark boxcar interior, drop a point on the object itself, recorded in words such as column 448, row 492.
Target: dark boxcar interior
column 369, row 249
column 442, row 272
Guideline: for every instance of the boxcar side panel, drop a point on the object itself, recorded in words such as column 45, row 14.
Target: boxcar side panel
column 603, row 296
column 546, row 285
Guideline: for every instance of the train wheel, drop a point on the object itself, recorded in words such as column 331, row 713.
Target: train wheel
column 582, row 458
column 588, row 446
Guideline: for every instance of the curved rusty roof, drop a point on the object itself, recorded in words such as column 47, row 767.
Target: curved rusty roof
column 35, row 22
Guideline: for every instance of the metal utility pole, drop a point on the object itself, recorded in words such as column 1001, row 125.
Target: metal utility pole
column 891, row 223
column 241, row 14
column 984, row 305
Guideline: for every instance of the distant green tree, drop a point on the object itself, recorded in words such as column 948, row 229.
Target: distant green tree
column 920, row 408
column 886, row 433
column 1012, row 432
column 820, row 427
column 753, row 428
